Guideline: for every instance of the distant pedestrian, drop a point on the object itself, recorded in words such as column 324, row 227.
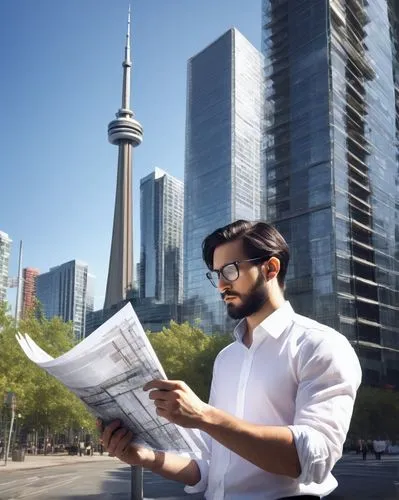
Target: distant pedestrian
column 365, row 449
column 81, row 448
column 379, row 448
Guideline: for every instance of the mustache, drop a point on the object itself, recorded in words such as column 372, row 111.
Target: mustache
column 229, row 294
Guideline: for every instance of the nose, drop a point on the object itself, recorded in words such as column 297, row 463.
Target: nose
column 223, row 284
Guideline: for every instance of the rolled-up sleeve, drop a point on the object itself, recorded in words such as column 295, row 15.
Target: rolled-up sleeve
column 329, row 375
column 203, row 465
column 203, row 461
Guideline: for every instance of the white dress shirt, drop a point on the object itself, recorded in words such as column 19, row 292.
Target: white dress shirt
column 297, row 373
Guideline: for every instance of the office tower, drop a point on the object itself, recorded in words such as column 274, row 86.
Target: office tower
column 161, row 223
column 126, row 133
column 332, row 166
column 223, row 158
column 29, row 276
column 67, row 291
column 5, row 246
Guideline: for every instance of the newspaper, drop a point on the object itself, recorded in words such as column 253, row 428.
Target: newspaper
column 108, row 370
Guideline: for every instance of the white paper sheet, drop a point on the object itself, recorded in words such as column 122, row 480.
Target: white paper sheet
column 108, row 370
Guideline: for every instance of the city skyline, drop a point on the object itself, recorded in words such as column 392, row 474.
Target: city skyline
column 56, row 75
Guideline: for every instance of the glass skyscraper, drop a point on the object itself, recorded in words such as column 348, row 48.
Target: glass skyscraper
column 5, row 246
column 331, row 156
column 161, row 224
column 67, row 291
column 223, row 158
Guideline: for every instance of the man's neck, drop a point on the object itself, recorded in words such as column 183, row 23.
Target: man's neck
column 256, row 319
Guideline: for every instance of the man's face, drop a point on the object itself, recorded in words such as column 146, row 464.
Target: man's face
column 246, row 295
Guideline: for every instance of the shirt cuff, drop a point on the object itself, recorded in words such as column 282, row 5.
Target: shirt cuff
column 313, row 453
column 199, row 487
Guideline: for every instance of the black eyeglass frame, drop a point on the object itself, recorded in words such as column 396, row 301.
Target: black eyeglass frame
column 236, row 265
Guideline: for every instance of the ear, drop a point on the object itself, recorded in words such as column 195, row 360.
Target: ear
column 271, row 268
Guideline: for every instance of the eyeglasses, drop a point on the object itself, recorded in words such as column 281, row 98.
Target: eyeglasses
column 229, row 272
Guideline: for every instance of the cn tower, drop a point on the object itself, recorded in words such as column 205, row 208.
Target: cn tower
column 126, row 133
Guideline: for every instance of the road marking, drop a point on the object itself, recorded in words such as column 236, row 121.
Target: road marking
column 8, row 482
column 46, row 488
column 116, row 480
column 31, row 481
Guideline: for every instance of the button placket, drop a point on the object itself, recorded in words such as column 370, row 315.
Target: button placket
column 242, row 385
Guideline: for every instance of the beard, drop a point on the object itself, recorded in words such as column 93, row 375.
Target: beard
column 251, row 302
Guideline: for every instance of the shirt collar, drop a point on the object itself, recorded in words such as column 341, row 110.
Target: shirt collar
column 274, row 325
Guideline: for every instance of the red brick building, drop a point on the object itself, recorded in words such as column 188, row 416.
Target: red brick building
column 29, row 289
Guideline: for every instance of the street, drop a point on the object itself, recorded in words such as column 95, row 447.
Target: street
column 370, row 479
column 98, row 480
column 108, row 480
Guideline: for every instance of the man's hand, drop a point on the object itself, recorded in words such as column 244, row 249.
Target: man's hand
column 117, row 441
column 176, row 402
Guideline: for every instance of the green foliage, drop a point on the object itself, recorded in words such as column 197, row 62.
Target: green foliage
column 43, row 402
column 375, row 414
column 187, row 353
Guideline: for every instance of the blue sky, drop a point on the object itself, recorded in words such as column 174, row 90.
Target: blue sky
column 60, row 86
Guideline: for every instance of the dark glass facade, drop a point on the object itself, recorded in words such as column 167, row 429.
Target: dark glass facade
column 223, row 159
column 331, row 157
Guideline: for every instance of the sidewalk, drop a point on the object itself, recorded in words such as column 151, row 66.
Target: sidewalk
column 40, row 461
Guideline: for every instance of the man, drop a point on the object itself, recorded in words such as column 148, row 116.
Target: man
column 379, row 446
column 282, row 394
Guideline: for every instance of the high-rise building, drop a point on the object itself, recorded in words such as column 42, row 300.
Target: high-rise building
column 223, row 158
column 161, row 223
column 331, row 156
column 29, row 275
column 5, row 246
column 67, row 291
column 126, row 133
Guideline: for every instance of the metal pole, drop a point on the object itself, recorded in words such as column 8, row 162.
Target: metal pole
column 136, row 482
column 9, row 436
column 18, row 301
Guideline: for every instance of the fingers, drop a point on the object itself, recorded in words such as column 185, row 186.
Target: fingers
column 115, row 441
column 161, row 412
column 123, row 444
column 117, row 436
column 108, row 432
column 160, row 395
column 163, row 385
column 161, row 404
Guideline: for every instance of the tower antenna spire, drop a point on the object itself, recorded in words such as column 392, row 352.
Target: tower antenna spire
column 127, row 64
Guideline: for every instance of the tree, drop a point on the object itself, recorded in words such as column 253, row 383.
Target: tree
column 187, row 353
column 375, row 414
column 44, row 402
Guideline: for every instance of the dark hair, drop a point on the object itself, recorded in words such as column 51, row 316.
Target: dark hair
column 259, row 240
